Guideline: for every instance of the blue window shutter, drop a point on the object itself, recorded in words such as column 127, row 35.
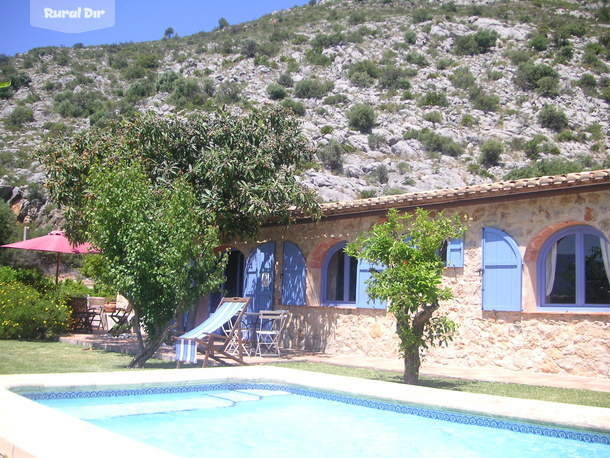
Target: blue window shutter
column 455, row 253
column 501, row 272
column 293, row 278
column 362, row 298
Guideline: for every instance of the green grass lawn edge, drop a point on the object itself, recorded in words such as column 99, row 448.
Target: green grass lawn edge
column 18, row 357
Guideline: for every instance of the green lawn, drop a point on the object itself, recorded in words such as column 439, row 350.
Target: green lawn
column 18, row 357
column 513, row 390
column 48, row 357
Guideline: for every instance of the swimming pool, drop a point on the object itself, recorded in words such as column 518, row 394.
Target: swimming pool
column 33, row 428
column 267, row 420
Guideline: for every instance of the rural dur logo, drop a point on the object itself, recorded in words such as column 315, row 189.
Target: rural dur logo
column 72, row 16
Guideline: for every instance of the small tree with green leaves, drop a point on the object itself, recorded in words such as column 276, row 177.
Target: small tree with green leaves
column 409, row 278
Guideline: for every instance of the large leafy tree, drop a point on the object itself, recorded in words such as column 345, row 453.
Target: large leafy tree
column 157, row 247
column 155, row 194
column 408, row 275
column 242, row 169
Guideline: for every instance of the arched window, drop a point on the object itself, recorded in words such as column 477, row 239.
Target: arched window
column 339, row 276
column 574, row 270
column 344, row 280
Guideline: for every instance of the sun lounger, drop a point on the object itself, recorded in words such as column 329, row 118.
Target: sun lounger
column 216, row 334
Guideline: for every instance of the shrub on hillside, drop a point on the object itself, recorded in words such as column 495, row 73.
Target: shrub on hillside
column 228, row 92
column 434, row 142
column 285, row 80
column 296, row 107
column 275, row 91
column 553, row 118
column 545, row 167
column 361, row 117
column 394, row 78
column 78, row 104
column 312, row 89
column 433, row 99
column 490, row 152
column 166, row 81
column 462, row 78
column 331, row 156
column 18, row 117
column 537, row 77
column 476, row 43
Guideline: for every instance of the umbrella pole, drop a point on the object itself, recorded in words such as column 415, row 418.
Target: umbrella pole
column 57, row 271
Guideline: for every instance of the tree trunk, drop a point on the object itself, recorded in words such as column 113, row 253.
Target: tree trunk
column 412, row 363
column 411, row 352
column 152, row 345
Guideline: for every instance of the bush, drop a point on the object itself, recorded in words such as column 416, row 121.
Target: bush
column 434, row 142
column 312, row 89
column 285, row 80
column 410, row 37
column 18, row 117
column 361, row 117
column 545, row 167
column 483, row 101
column 166, row 81
column 462, row 78
column 380, row 174
column 338, row 99
column 331, row 156
column 416, row 58
column 433, row 99
column 27, row 314
column 228, row 92
column 276, row 92
column 553, row 118
column 476, row 43
column 78, row 104
column 137, row 91
column 435, row 117
column 315, row 57
column 541, row 78
column 249, row 47
column 187, row 94
column 539, row 42
column 490, row 152
column 363, row 73
column 296, row 107
column 322, row 41
column 393, row 78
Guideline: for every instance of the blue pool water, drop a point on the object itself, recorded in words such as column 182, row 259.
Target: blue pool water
column 270, row 420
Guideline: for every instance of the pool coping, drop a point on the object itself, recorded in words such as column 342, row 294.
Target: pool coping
column 31, row 429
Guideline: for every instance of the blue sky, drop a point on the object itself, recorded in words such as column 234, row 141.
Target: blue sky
column 135, row 20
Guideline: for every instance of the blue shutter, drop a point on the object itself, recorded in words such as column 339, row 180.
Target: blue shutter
column 501, row 272
column 259, row 277
column 455, row 253
column 293, row 278
column 362, row 298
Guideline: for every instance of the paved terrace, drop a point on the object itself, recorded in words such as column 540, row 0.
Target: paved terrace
column 128, row 345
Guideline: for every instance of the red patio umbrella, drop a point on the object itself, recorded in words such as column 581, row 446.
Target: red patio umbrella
column 54, row 242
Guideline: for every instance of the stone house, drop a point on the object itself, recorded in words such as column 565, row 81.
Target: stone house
column 530, row 277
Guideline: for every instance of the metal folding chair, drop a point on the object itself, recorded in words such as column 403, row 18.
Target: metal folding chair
column 269, row 332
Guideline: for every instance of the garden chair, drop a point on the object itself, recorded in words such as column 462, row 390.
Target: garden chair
column 96, row 305
column 269, row 332
column 216, row 343
column 81, row 317
column 120, row 316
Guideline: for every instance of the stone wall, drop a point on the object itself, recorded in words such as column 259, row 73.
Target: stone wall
column 531, row 340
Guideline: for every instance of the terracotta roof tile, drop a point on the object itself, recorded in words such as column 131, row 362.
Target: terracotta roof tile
column 530, row 186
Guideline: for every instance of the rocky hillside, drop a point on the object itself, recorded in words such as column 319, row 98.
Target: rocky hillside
column 397, row 96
